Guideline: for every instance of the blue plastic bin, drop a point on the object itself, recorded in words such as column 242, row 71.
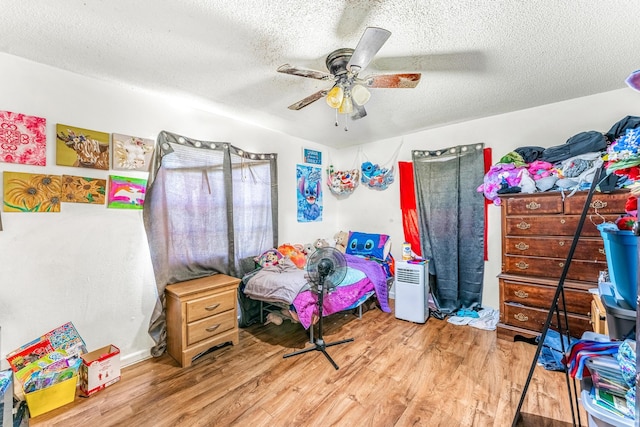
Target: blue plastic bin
column 621, row 248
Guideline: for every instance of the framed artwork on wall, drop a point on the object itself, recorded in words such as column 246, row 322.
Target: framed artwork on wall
column 30, row 192
column 81, row 148
column 131, row 153
column 126, row 192
column 23, row 139
column 78, row 189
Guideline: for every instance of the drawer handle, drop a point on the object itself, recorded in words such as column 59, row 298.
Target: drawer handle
column 561, row 264
column 522, row 265
column 561, row 243
column 522, row 246
column 598, row 204
column 521, row 294
column 533, row 206
column 212, row 328
column 601, row 250
column 523, row 226
column 212, row 307
column 521, row 317
column 562, row 221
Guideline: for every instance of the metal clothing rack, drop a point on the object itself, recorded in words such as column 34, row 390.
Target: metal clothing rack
column 559, row 308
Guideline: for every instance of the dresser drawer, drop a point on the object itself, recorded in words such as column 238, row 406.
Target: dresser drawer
column 541, row 296
column 586, row 271
column 600, row 203
column 534, row 205
column 206, row 306
column 534, row 318
column 554, row 225
column 556, row 247
column 210, row 326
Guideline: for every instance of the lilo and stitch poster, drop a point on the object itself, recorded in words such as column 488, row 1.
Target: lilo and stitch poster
column 309, row 194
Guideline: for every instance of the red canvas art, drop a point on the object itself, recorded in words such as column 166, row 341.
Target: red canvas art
column 23, row 139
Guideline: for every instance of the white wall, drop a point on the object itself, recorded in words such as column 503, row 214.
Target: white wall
column 379, row 211
column 90, row 264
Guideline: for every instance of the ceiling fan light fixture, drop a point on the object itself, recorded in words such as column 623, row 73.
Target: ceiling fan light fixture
column 347, row 106
column 335, row 97
column 360, row 94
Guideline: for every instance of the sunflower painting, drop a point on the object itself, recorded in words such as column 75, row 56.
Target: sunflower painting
column 28, row 192
column 78, row 189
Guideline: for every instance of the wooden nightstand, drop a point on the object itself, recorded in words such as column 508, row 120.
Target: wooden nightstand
column 598, row 316
column 201, row 313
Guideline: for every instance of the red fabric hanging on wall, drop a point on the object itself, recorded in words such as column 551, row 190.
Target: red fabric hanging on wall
column 487, row 202
column 408, row 206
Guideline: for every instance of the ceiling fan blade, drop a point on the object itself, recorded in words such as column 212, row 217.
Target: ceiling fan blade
column 312, row 74
column 358, row 112
column 369, row 44
column 393, row 81
column 308, row 100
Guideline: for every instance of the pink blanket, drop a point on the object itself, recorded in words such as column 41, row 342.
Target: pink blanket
column 344, row 296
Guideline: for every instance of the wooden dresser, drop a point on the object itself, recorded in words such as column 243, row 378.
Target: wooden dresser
column 537, row 233
column 201, row 313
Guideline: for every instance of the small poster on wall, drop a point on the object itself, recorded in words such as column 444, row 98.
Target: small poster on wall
column 312, row 156
column 126, row 193
column 309, row 194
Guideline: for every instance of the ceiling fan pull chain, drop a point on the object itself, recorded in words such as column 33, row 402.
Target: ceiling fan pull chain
column 336, row 117
column 346, row 129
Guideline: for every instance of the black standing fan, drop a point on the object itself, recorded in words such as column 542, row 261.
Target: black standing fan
column 326, row 269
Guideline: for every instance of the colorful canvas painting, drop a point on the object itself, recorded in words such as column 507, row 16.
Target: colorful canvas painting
column 29, row 192
column 309, row 194
column 126, row 193
column 23, row 139
column 78, row 189
column 82, row 148
column 131, row 153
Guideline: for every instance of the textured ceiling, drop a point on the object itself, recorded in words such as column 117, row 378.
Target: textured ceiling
column 477, row 58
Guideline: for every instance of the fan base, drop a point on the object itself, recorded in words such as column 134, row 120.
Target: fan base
column 321, row 346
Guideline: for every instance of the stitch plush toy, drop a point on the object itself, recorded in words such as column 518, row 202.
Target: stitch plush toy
column 341, row 238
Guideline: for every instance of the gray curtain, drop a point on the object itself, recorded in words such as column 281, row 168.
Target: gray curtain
column 451, row 221
column 208, row 205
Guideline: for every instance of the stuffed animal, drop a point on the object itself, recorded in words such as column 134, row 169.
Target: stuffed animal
column 321, row 243
column 341, row 238
column 296, row 256
column 308, row 249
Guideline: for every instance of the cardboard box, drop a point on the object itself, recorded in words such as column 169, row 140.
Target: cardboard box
column 99, row 369
column 52, row 397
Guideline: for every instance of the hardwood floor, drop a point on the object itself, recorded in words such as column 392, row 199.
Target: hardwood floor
column 395, row 373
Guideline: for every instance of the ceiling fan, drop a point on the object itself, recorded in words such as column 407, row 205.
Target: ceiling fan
column 350, row 92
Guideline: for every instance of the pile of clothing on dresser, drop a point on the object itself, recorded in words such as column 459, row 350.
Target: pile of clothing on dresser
column 569, row 167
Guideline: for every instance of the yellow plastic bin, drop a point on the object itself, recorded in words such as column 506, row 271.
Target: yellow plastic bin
column 50, row 398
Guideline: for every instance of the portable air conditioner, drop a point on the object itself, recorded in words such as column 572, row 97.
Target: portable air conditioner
column 412, row 291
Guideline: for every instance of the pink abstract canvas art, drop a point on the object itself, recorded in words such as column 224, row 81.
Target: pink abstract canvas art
column 23, row 139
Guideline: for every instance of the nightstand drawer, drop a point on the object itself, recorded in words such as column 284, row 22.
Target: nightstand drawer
column 211, row 326
column 210, row 305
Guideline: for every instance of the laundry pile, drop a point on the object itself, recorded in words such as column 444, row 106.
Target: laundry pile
column 571, row 166
column 484, row 318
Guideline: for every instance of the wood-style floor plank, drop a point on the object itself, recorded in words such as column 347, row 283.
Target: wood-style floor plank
column 394, row 374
